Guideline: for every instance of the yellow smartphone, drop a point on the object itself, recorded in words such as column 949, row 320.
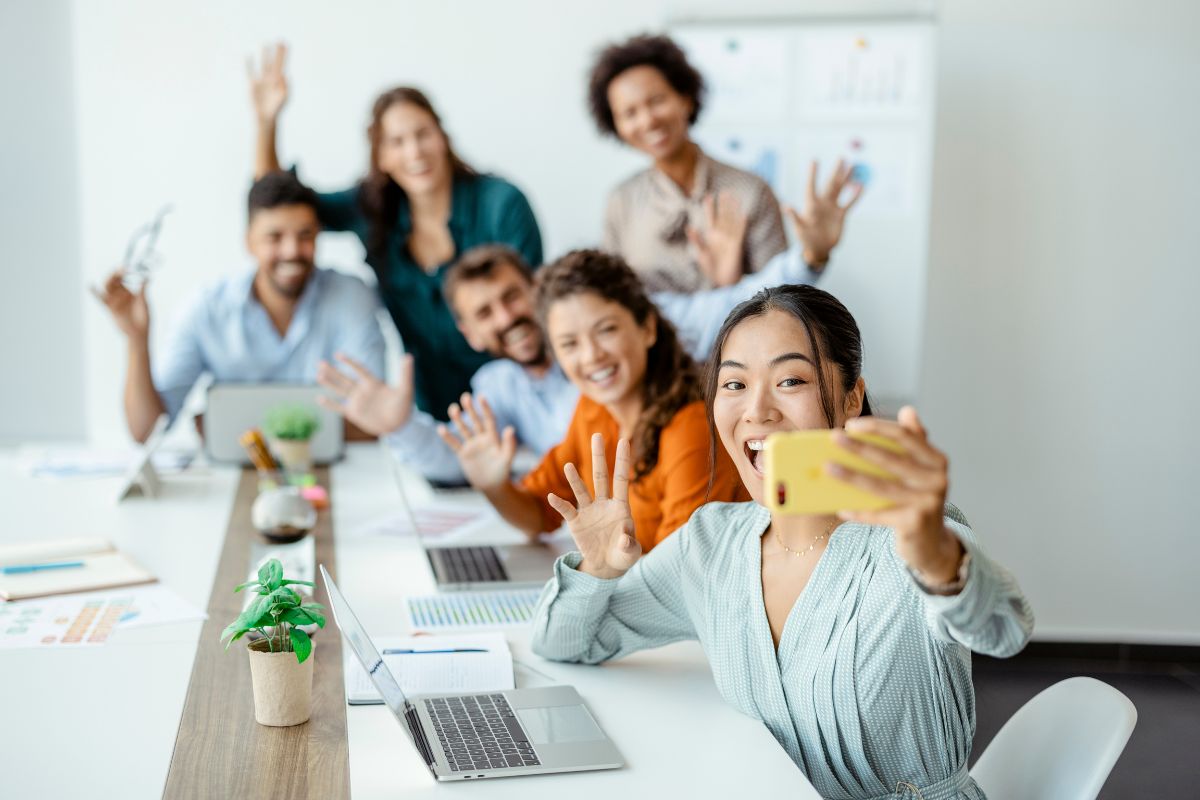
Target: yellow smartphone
column 796, row 480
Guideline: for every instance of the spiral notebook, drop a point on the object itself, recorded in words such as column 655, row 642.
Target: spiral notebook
column 104, row 567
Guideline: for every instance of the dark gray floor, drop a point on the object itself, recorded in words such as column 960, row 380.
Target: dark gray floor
column 1162, row 759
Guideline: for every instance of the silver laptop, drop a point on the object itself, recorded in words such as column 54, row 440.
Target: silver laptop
column 233, row 408
column 482, row 566
column 495, row 735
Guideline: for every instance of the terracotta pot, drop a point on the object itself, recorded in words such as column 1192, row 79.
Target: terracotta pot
column 282, row 687
column 295, row 455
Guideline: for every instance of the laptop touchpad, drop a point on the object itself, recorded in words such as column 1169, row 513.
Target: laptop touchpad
column 554, row 724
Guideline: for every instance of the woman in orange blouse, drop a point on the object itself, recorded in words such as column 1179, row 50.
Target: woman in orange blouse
column 635, row 382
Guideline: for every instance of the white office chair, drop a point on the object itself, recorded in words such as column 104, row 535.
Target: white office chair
column 1061, row 745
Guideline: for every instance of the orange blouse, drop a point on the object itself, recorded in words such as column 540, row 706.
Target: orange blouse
column 663, row 499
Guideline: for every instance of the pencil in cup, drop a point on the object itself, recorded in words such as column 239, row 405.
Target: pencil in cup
column 256, row 448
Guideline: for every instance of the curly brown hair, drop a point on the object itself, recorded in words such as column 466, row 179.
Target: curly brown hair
column 672, row 379
column 380, row 195
column 659, row 52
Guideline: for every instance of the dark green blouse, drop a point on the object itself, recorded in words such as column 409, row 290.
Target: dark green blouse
column 483, row 210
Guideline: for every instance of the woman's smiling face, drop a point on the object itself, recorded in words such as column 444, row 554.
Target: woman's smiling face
column 600, row 346
column 767, row 383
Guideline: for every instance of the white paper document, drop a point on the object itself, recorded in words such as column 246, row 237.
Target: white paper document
column 479, row 662
column 79, row 620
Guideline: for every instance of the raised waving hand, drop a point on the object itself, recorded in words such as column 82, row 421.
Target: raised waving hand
column 819, row 224
column 485, row 454
column 720, row 247
column 365, row 400
column 602, row 526
column 268, row 84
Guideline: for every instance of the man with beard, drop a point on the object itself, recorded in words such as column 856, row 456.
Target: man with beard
column 490, row 291
column 273, row 324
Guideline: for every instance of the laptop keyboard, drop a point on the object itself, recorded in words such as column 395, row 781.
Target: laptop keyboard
column 480, row 732
column 471, row 564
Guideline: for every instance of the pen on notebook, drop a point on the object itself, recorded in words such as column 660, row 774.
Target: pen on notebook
column 407, row 651
column 19, row 569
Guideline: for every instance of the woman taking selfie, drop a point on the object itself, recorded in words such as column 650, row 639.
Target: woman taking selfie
column 856, row 649
column 645, row 92
column 418, row 207
column 635, row 382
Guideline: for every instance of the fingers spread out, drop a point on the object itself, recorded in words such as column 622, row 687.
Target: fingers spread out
column 468, row 405
column 452, row 441
column 489, row 418
column 565, row 509
column 857, row 193
column 356, row 367
column 460, row 425
column 621, row 471
column 333, row 379
column 599, row 467
column 582, row 497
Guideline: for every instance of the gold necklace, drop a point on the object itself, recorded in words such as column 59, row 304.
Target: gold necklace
column 812, row 544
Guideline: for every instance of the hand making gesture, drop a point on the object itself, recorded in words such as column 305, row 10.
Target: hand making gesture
column 918, row 492
column 485, row 454
column 128, row 309
column 819, row 224
column 268, row 88
column 720, row 247
column 369, row 403
column 601, row 526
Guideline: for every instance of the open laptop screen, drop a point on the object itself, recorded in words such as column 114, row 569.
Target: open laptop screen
column 354, row 633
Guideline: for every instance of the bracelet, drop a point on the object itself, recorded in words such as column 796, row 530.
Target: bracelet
column 953, row 587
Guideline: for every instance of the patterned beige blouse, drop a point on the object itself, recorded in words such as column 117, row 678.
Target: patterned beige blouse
column 648, row 215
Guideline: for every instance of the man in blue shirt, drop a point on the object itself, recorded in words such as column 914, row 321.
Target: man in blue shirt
column 490, row 291
column 275, row 323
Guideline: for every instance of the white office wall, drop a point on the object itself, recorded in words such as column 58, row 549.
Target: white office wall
column 40, row 329
column 1060, row 347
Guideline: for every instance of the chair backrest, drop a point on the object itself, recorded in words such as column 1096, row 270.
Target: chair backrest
column 1061, row 745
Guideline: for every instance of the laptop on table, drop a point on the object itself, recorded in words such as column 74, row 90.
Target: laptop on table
column 233, row 408
column 495, row 735
column 480, row 567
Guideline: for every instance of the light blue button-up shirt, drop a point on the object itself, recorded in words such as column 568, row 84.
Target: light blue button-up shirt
column 228, row 334
column 539, row 408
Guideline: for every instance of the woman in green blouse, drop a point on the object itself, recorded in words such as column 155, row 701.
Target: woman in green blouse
column 417, row 208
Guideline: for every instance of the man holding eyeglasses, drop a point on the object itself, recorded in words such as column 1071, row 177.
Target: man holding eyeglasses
column 275, row 323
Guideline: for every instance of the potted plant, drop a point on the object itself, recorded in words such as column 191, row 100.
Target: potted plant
column 290, row 427
column 281, row 660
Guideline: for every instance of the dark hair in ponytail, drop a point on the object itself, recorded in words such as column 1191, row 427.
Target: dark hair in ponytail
column 832, row 335
column 671, row 380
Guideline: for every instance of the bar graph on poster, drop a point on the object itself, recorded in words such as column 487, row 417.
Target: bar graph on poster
column 782, row 95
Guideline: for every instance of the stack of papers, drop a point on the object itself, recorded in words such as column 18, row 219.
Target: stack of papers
column 479, row 662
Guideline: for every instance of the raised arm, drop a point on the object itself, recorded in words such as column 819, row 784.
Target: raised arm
column 132, row 315
column 819, row 224
column 486, row 454
column 268, row 93
column 606, row 600
column 968, row 598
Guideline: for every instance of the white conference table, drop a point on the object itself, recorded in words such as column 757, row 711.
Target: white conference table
column 102, row 721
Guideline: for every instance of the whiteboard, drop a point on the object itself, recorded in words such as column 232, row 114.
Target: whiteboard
column 781, row 94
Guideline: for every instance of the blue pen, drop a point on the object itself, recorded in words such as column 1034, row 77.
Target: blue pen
column 410, row 652
column 21, row 569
